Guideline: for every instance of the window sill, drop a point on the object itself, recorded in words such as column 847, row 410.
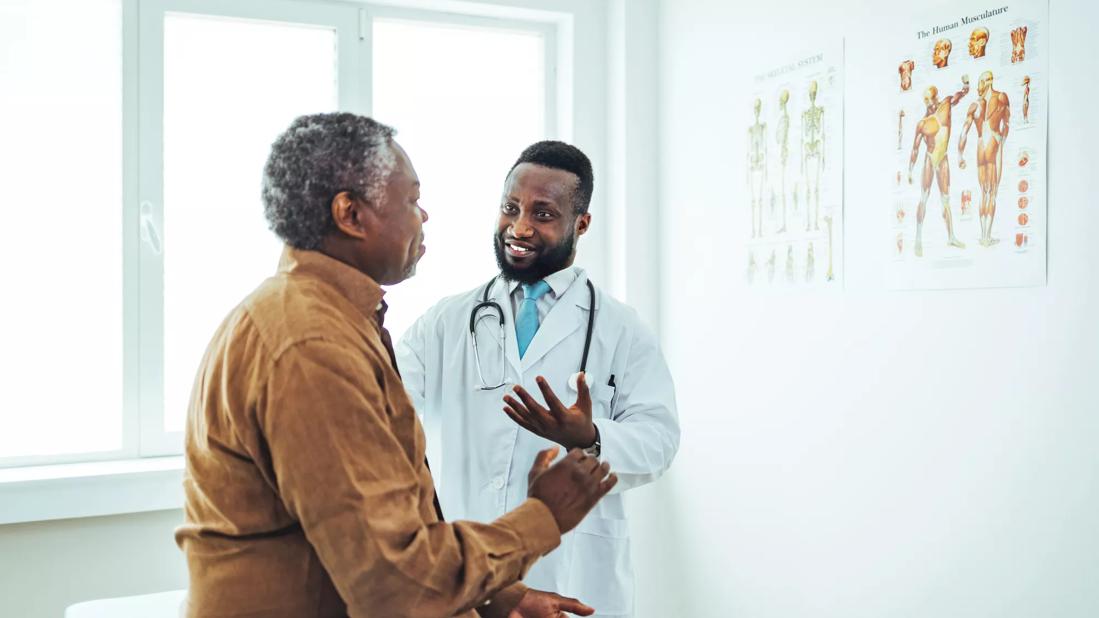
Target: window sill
column 42, row 493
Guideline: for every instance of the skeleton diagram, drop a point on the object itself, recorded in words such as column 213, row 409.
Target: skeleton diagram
column 812, row 157
column 757, row 168
column 810, row 265
column 934, row 132
column 992, row 114
column 782, row 136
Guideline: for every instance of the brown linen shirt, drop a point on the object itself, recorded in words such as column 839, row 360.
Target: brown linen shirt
column 307, row 491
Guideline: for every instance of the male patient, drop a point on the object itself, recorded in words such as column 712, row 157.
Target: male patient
column 307, row 490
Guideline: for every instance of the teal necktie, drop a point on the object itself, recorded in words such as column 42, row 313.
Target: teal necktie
column 526, row 320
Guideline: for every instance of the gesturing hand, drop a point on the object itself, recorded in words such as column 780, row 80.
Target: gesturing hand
column 538, row 604
column 570, row 427
column 571, row 487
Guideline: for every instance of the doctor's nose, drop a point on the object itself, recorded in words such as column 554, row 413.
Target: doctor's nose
column 520, row 229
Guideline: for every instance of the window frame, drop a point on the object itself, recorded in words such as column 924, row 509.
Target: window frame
column 141, row 215
column 153, row 438
column 122, row 480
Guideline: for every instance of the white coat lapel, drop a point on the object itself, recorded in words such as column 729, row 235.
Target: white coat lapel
column 511, row 343
column 563, row 319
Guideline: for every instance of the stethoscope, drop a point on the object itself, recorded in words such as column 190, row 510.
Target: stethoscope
column 475, row 319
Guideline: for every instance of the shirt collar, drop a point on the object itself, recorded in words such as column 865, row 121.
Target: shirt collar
column 559, row 281
column 353, row 284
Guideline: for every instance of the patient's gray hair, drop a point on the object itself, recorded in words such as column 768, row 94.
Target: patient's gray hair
column 316, row 158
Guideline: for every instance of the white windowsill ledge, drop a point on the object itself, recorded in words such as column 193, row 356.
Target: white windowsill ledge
column 41, row 493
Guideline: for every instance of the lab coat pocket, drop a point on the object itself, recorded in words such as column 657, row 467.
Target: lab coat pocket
column 602, row 397
column 601, row 574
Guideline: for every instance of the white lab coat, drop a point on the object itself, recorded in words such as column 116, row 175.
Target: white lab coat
column 481, row 458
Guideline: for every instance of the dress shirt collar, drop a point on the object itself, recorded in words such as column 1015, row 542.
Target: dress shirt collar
column 558, row 281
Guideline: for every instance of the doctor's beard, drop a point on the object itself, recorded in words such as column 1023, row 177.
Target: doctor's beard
column 549, row 260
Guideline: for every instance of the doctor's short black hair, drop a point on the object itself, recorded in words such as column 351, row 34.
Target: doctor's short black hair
column 562, row 156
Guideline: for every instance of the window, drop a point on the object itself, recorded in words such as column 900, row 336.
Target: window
column 135, row 135
column 463, row 128
column 230, row 87
column 61, row 313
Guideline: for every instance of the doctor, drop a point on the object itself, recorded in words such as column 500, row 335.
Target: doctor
column 494, row 373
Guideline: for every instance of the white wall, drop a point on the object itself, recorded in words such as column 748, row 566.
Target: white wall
column 872, row 453
column 47, row 566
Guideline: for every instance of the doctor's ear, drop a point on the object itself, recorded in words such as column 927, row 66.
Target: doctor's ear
column 583, row 222
column 350, row 214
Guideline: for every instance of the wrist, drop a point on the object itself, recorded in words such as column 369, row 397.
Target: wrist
column 587, row 438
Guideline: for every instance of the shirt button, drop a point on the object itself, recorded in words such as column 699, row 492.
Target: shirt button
column 498, row 483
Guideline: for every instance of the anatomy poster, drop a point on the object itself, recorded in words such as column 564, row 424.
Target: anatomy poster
column 968, row 205
column 794, row 172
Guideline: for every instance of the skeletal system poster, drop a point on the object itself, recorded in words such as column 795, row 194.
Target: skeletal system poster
column 794, row 172
column 968, row 200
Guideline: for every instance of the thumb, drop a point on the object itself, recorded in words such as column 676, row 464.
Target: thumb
column 541, row 462
column 567, row 604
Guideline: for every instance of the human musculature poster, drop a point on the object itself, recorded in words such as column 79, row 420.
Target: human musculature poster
column 968, row 205
column 794, row 172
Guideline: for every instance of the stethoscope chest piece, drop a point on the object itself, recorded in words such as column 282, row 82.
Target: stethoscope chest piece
column 574, row 382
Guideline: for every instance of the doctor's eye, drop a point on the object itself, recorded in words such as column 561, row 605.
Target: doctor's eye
column 509, row 209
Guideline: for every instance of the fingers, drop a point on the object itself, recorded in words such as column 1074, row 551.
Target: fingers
column 607, row 485
column 568, row 604
column 542, row 462
column 521, row 418
column 545, row 457
column 589, row 465
column 583, row 395
column 602, row 470
column 535, row 409
column 555, row 405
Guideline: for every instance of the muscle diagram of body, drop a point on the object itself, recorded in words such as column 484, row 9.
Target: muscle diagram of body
column 1018, row 44
column 1026, row 98
column 940, row 56
column 812, row 157
column 978, row 40
column 905, row 70
column 992, row 114
column 933, row 131
column 782, row 136
column 757, row 168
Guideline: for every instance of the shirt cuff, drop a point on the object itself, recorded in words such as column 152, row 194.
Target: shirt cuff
column 534, row 524
column 500, row 605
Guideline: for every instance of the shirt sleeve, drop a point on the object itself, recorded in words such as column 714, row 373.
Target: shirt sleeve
column 343, row 472
column 411, row 355
column 642, row 436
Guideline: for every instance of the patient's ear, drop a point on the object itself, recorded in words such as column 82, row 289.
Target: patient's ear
column 350, row 214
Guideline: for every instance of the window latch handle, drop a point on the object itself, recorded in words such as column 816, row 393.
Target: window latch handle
column 150, row 233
